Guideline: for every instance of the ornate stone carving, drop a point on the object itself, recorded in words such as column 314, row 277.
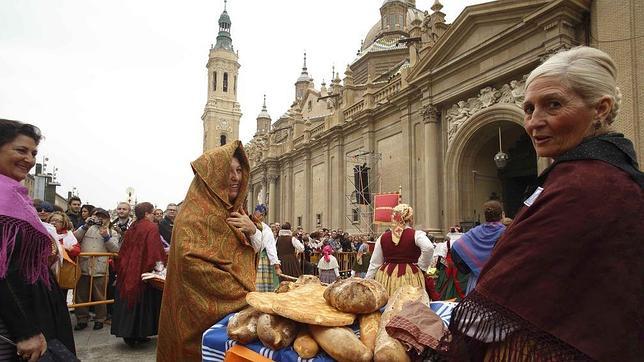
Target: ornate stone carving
column 430, row 114
column 461, row 112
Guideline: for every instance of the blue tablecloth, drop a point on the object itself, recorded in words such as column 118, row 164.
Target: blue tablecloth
column 215, row 342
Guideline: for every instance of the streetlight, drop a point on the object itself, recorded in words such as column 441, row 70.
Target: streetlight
column 501, row 158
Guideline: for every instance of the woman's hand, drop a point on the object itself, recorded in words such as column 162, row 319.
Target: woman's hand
column 242, row 222
column 33, row 348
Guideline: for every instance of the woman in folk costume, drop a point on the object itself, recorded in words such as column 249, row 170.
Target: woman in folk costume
column 288, row 251
column 137, row 304
column 565, row 280
column 212, row 262
column 473, row 249
column 328, row 266
column 402, row 255
column 269, row 265
column 33, row 311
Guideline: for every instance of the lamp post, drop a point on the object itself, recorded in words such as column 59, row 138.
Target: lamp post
column 501, row 158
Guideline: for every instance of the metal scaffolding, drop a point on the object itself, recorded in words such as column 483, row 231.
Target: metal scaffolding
column 363, row 181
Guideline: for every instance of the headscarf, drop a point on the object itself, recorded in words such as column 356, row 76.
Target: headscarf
column 401, row 216
column 327, row 250
column 140, row 251
column 18, row 216
column 211, row 265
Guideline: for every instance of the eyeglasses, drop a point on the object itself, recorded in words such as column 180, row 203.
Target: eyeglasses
column 55, row 221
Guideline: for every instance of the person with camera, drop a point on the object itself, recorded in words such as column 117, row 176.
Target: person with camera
column 95, row 236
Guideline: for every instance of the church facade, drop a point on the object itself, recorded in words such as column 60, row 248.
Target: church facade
column 433, row 111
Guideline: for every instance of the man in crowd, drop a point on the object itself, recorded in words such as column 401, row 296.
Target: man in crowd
column 334, row 240
column 211, row 265
column 158, row 216
column 96, row 236
column 167, row 223
column 123, row 220
column 73, row 211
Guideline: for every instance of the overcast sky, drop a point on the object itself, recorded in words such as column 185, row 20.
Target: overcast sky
column 118, row 87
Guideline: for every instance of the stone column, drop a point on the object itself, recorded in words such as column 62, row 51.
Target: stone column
column 407, row 156
column 306, row 222
column 272, row 212
column 432, row 164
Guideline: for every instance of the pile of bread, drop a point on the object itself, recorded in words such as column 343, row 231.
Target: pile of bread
column 311, row 316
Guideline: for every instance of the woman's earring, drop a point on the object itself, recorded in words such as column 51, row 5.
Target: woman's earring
column 597, row 124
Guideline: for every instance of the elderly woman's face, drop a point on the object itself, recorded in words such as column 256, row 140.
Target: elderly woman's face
column 556, row 118
column 18, row 157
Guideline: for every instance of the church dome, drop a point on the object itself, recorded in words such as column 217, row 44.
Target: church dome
column 376, row 30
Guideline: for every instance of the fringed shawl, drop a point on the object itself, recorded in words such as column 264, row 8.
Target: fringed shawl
column 475, row 246
column 18, row 217
column 140, row 251
column 565, row 281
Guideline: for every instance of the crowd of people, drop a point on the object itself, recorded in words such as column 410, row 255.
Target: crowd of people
column 532, row 288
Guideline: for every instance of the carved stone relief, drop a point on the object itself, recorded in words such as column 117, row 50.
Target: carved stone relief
column 460, row 113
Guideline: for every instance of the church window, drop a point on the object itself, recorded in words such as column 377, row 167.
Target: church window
column 225, row 86
column 355, row 215
column 310, row 105
column 299, row 221
column 214, row 81
column 235, row 86
column 222, row 140
column 318, row 220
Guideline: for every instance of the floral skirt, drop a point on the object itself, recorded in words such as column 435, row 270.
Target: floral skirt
column 393, row 282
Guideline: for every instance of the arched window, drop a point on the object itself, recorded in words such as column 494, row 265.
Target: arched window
column 222, row 139
column 214, row 81
column 225, row 86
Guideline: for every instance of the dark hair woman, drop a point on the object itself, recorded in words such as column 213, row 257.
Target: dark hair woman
column 577, row 242
column 32, row 307
column 86, row 212
column 137, row 305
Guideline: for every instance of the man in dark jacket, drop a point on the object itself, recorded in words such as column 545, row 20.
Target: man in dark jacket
column 74, row 211
column 166, row 225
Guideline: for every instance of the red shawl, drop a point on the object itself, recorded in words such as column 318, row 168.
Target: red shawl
column 565, row 280
column 140, row 251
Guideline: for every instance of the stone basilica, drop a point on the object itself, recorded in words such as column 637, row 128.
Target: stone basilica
column 431, row 110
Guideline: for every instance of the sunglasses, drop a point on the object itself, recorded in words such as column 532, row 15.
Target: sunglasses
column 40, row 209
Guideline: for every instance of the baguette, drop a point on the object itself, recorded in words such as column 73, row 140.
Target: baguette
column 341, row 344
column 305, row 345
column 369, row 325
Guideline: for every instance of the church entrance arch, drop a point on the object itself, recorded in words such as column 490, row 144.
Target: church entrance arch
column 472, row 176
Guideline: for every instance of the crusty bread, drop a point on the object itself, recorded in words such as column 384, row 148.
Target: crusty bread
column 387, row 348
column 276, row 332
column 242, row 327
column 305, row 345
column 369, row 325
column 356, row 295
column 341, row 344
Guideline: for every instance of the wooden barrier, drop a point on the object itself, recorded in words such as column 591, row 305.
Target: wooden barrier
column 92, row 265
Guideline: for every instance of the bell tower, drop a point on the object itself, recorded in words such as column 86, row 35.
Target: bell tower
column 222, row 113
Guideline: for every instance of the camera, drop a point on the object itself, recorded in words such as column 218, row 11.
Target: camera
column 94, row 221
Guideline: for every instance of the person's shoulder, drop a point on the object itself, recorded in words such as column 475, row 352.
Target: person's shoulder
column 589, row 175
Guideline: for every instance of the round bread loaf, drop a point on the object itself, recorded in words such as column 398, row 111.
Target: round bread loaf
column 276, row 332
column 242, row 327
column 356, row 295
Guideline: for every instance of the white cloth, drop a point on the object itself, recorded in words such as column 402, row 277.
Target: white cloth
column 332, row 264
column 268, row 243
column 256, row 241
column 421, row 241
column 68, row 239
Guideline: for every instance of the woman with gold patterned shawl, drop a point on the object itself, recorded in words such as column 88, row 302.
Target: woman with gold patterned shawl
column 212, row 264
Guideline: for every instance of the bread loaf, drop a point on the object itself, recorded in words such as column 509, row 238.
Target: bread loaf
column 369, row 325
column 276, row 332
column 242, row 327
column 356, row 295
column 387, row 348
column 341, row 344
column 285, row 287
column 305, row 345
